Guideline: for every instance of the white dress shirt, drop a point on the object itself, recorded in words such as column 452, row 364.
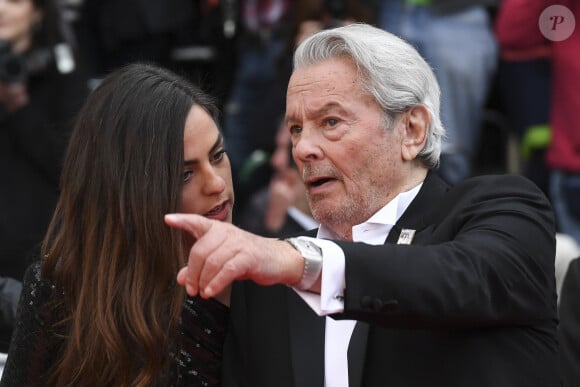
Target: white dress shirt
column 330, row 300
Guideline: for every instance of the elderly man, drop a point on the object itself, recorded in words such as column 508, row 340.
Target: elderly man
column 408, row 281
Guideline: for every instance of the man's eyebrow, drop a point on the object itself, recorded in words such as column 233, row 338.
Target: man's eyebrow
column 218, row 142
column 329, row 106
column 317, row 112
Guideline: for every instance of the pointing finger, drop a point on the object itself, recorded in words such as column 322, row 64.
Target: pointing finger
column 196, row 225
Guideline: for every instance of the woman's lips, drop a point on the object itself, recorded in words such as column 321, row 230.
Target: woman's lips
column 219, row 212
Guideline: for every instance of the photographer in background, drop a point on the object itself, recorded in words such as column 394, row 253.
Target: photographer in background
column 41, row 89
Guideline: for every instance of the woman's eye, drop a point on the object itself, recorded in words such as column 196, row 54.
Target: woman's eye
column 219, row 156
column 187, row 175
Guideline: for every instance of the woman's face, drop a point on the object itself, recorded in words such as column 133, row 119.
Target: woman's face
column 207, row 178
column 17, row 18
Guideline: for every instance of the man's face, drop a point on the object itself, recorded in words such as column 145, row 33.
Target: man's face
column 17, row 18
column 350, row 164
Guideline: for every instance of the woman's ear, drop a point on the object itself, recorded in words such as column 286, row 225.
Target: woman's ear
column 416, row 126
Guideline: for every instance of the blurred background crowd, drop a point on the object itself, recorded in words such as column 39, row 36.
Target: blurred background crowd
column 510, row 100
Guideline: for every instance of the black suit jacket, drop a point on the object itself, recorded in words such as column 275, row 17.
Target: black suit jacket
column 471, row 302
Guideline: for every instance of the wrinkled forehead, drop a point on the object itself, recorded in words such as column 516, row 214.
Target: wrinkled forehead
column 317, row 83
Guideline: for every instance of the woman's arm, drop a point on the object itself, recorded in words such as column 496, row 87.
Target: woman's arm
column 29, row 356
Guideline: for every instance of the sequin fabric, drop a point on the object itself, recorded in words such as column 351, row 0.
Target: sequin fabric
column 196, row 362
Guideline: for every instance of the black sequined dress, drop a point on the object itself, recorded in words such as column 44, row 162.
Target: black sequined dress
column 197, row 362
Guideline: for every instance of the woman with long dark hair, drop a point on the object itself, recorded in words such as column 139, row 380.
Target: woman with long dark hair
column 103, row 308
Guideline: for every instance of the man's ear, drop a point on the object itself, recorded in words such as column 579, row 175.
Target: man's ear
column 415, row 135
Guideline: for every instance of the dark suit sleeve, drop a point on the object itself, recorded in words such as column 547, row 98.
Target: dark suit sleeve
column 486, row 259
column 569, row 328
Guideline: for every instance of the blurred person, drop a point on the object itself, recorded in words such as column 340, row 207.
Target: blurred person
column 519, row 23
column 255, row 102
column 41, row 90
column 569, row 328
column 101, row 308
column 421, row 283
column 113, row 33
column 456, row 38
column 184, row 36
column 523, row 90
column 281, row 208
column 519, row 30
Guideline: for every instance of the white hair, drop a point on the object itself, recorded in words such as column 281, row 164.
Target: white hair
column 390, row 70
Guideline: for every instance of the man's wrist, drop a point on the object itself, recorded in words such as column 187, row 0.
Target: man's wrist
column 312, row 255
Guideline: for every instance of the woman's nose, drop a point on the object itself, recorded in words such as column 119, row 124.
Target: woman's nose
column 213, row 182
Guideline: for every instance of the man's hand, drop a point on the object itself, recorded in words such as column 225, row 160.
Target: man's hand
column 223, row 253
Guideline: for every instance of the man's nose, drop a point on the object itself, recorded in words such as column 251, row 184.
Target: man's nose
column 307, row 146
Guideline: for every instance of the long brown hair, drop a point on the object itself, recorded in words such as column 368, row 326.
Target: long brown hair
column 107, row 250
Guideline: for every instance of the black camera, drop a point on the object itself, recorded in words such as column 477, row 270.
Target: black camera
column 13, row 67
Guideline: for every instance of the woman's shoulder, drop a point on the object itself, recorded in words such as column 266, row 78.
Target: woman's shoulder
column 32, row 347
column 34, row 281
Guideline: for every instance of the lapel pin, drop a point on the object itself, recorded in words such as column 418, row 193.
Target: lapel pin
column 406, row 236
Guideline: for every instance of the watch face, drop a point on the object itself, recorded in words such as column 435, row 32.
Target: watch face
column 306, row 247
column 312, row 247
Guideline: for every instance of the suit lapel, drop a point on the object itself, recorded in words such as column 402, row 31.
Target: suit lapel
column 416, row 217
column 418, row 214
column 306, row 342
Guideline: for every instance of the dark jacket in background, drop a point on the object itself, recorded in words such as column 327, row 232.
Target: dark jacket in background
column 32, row 144
column 113, row 33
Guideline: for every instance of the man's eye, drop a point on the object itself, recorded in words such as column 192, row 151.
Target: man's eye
column 331, row 121
column 295, row 129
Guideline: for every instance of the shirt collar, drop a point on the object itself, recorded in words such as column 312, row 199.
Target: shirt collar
column 377, row 227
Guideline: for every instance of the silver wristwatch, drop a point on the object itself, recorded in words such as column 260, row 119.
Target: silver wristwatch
column 312, row 255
